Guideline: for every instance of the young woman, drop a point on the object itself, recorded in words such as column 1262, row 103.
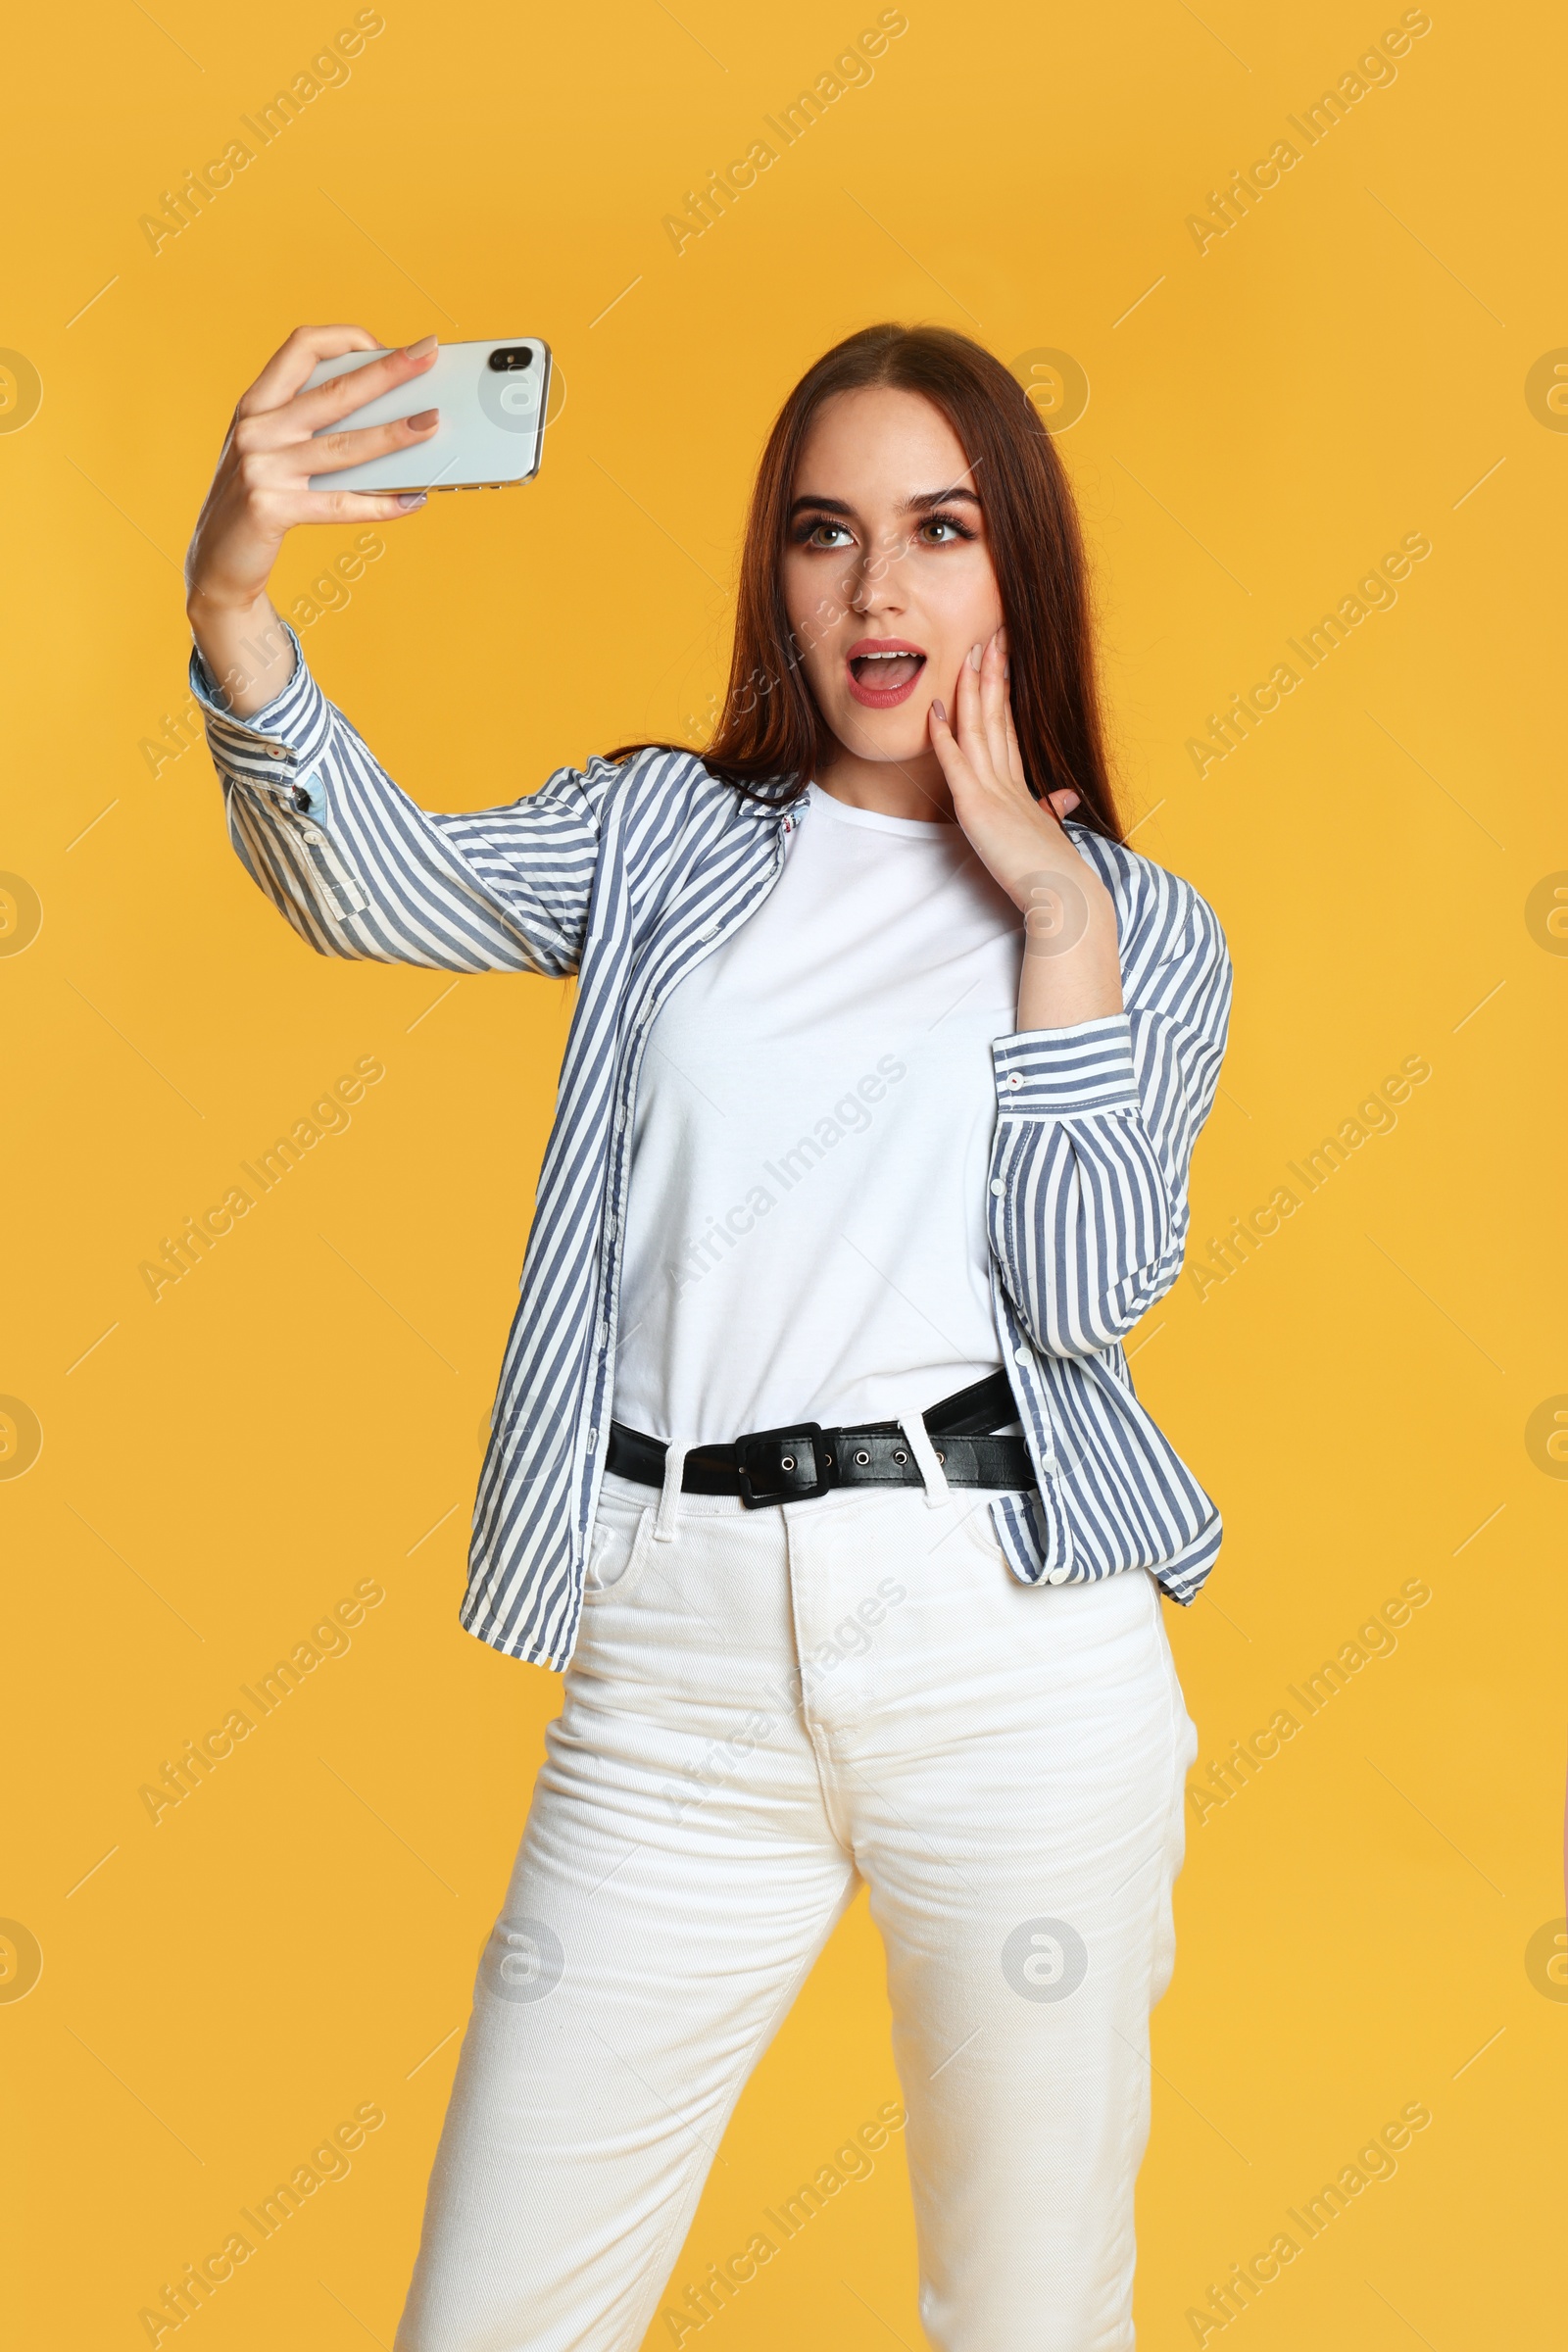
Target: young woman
column 817, row 1463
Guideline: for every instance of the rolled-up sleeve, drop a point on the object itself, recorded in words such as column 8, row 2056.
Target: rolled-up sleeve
column 360, row 870
column 1095, row 1132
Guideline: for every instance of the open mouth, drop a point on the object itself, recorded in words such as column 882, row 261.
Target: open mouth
column 882, row 670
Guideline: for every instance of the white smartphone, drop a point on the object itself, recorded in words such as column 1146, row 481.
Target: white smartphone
column 492, row 398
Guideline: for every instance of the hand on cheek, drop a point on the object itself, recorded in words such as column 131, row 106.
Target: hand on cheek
column 979, row 750
column 1074, row 973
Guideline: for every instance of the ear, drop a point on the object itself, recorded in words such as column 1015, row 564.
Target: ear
column 1062, row 802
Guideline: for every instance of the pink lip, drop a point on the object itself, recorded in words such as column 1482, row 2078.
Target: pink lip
column 882, row 697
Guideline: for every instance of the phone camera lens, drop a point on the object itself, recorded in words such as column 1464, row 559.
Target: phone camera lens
column 511, row 358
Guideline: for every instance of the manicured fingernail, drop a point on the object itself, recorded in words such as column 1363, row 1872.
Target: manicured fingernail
column 421, row 350
column 411, row 498
column 425, row 419
column 939, row 711
column 975, row 656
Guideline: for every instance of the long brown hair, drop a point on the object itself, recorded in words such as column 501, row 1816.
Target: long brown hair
column 770, row 730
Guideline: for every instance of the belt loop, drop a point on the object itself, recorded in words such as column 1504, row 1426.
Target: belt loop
column 675, row 1453
column 925, row 1453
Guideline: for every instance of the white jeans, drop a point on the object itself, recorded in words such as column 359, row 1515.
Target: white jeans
column 762, row 1712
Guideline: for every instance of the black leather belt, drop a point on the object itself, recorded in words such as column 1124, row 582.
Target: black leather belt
column 804, row 1460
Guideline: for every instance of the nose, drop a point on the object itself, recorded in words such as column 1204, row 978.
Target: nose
column 873, row 586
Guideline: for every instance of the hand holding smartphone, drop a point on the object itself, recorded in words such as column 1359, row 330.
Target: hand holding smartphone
column 492, row 398
column 339, row 428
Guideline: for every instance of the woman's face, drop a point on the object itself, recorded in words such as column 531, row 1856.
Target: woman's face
column 886, row 573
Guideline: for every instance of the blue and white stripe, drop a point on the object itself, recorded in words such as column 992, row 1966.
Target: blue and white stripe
column 629, row 876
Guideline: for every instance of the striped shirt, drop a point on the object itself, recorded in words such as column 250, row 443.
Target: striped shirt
column 629, row 875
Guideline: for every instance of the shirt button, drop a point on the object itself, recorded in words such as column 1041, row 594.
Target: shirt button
column 1058, row 1576
column 998, row 1187
column 1023, row 1355
column 1014, row 1078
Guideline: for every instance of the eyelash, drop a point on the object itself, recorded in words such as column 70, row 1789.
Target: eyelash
column 807, row 527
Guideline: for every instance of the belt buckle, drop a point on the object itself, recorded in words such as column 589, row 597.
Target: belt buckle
column 812, row 1433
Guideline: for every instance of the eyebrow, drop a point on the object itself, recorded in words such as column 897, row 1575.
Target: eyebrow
column 922, row 503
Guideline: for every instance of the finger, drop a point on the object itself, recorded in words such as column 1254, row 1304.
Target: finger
column 970, row 730
column 331, row 452
column 950, row 752
column 993, row 705
column 357, row 506
column 1063, row 802
column 356, row 387
column 290, row 428
column 1016, row 766
column 292, row 362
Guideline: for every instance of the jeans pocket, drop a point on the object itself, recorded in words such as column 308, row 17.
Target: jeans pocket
column 974, row 1525
column 617, row 1545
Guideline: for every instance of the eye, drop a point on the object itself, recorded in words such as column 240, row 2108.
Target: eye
column 809, row 534
column 948, row 525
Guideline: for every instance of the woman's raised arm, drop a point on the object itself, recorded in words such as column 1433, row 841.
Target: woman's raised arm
column 358, row 869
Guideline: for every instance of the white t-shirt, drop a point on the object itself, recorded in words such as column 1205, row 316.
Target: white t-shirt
column 806, row 1230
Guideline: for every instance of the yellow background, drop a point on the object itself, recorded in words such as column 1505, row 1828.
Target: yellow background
column 1266, row 419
